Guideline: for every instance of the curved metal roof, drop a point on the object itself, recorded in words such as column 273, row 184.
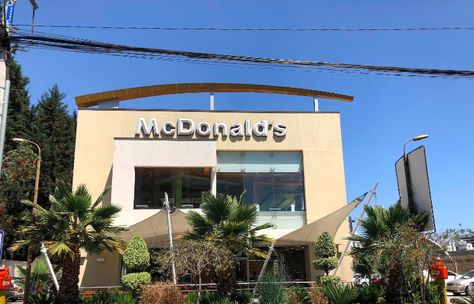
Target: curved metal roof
column 184, row 88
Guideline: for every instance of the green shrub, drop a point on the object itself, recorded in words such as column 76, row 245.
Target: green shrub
column 243, row 297
column 42, row 298
column 325, row 280
column 212, row 298
column 162, row 293
column 340, row 294
column 270, row 289
column 106, row 297
column 297, row 295
column 369, row 294
column 132, row 281
column 136, row 257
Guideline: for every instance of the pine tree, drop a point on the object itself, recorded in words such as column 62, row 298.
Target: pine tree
column 19, row 114
column 325, row 251
column 54, row 130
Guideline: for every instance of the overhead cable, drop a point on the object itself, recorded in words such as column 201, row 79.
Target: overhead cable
column 249, row 29
column 96, row 47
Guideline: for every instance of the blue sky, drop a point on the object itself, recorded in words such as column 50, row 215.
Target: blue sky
column 386, row 111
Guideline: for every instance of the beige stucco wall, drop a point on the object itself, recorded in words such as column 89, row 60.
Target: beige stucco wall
column 317, row 135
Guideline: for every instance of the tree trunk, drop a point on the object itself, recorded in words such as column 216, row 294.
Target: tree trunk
column 199, row 289
column 68, row 285
column 395, row 291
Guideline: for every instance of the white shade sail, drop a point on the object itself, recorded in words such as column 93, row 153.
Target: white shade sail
column 330, row 224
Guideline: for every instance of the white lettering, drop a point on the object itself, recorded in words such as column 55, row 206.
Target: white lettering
column 142, row 127
column 248, row 128
column 236, row 129
column 279, row 130
column 185, row 126
column 220, row 127
column 203, row 129
column 168, row 128
column 261, row 128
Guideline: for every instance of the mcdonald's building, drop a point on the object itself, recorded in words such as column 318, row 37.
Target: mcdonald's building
column 290, row 165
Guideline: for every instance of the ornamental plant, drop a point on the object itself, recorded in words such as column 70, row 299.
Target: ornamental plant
column 325, row 251
column 136, row 260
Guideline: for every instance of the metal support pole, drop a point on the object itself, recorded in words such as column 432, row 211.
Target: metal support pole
column 348, row 244
column 264, row 267
column 44, row 251
column 3, row 120
column 211, row 101
column 170, row 236
column 316, row 104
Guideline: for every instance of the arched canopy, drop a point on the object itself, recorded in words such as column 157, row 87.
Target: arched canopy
column 184, row 88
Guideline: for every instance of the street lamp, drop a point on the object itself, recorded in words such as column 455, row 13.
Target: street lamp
column 411, row 203
column 416, row 138
column 29, row 258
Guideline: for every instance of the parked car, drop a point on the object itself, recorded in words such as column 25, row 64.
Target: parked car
column 471, row 289
column 15, row 292
column 361, row 280
column 461, row 285
column 376, row 279
column 452, row 276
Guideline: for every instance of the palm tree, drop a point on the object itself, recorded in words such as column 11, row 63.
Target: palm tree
column 228, row 222
column 381, row 226
column 72, row 222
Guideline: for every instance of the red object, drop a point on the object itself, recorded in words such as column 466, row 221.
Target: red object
column 5, row 278
column 438, row 270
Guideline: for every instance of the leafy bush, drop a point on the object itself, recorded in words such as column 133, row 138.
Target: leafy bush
column 163, row 293
column 42, row 298
column 316, row 296
column 132, row 281
column 270, row 289
column 136, row 257
column 325, row 280
column 106, row 297
column 297, row 295
column 369, row 294
column 243, row 297
column 340, row 294
column 211, row 298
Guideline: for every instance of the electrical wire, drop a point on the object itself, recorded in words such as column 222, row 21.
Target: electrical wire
column 230, row 29
column 59, row 42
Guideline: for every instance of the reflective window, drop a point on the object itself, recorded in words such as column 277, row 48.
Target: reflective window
column 271, row 180
column 183, row 185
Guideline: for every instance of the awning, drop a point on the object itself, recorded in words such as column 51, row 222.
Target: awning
column 155, row 228
column 330, row 224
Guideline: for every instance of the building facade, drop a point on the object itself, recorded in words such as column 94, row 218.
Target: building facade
column 290, row 165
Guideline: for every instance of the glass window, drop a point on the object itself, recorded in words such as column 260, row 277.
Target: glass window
column 271, row 180
column 183, row 185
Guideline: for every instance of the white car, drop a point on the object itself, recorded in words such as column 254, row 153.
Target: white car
column 461, row 285
column 452, row 276
column 360, row 280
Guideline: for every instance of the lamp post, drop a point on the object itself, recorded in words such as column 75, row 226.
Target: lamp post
column 411, row 203
column 29, row 258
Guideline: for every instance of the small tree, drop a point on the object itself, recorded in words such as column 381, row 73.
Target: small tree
column 136, row 260
column 193, row 258
column 325, row 251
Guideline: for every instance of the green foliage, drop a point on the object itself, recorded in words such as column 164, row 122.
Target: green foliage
column 16, row 184
column 19, row 114
column 40, row 280
column 132, row 281
column 136, row 257
column 106, row 297
column 297, row 295
column 213, row 298
column 369, row 294
column 42, row 298
column 54, row 130
column 271, row 289
column 325, row 251
column 227, row 222
column 324, row 280
column 73, row 221
column 340, row 294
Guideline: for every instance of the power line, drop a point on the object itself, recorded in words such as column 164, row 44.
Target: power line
column 97, row 47
column 231, row 29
